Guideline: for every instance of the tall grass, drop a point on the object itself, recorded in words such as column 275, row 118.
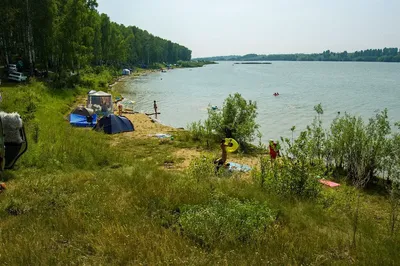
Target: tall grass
column 76, row 199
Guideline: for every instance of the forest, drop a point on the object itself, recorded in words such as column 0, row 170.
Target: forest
column 63, row 35
column 369, row 55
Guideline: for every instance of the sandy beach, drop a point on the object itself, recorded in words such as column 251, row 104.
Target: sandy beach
column 145, row 126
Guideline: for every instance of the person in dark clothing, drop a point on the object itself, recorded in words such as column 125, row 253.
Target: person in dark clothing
column 89, row 119
column 155, row 108
column 228, row 132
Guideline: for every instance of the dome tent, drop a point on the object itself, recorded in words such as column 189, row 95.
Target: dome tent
column 82, row 117
column 113, row 124
column 81, row 110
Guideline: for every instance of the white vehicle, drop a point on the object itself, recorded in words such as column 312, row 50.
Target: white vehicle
column 17, row 76
column 12, row 68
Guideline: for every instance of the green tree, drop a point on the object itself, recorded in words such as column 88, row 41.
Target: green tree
column 237, row 117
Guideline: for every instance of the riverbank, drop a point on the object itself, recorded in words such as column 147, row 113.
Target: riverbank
column 83, row 197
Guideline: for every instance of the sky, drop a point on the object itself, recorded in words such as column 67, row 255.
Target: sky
column 237, row 27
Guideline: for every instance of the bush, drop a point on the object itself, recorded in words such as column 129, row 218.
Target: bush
column 289, row 178
column 237, row 119
column 203, row 132
column 197, row 130
column 360, row 148
column 201, row 168
column 226, row 221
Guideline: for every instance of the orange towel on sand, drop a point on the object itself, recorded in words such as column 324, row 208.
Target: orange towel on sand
column 329, row 183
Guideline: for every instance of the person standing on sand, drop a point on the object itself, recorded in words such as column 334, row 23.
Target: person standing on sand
column 119, row 109
column 155, row 108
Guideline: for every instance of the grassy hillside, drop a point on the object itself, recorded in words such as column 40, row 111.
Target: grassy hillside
column 82, row 197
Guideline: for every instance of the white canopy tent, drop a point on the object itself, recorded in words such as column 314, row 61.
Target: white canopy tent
column 100, row 101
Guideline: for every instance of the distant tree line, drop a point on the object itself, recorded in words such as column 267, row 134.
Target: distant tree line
column 370, row 55
column 71, row 34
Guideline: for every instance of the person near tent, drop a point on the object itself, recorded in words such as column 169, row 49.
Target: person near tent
column 89, row 119
column 104, row 108
column 155, row 108
column 273, row 149
column 119, row 109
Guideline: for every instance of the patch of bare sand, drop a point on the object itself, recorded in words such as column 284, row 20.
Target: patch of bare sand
column 144, row 126
column 186, row 156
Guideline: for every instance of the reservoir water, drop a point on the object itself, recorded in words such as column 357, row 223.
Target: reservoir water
column 183, row 95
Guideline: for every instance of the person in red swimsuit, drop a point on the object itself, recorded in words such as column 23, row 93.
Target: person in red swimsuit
column 273, row 149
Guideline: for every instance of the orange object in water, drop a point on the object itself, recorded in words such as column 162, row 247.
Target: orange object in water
column 2, row 186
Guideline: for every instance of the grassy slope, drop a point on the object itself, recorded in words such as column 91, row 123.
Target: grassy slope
column 75, row 198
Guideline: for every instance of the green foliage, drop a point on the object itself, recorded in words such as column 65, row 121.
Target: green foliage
column 202, row 168
column 64, row 35
column 53, row 143
column 359, row 148
column 237, row 116
column 370, row 55
column 288, row 178
column 194, row 63
column 203, row 132
column 197, row 130
column 225, row 222
column 96, row 199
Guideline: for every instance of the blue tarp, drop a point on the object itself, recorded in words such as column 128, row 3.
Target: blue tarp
column 81, row 120
column 112, row 124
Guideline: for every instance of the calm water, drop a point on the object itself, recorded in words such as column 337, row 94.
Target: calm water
column 358, row 88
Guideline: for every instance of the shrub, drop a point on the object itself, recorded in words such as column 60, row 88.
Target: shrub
column 202, row 167
column 289, row 178
column 237, row 118
column 360, row 148
column 197, row 130
column 203, row 132
column 225, row 221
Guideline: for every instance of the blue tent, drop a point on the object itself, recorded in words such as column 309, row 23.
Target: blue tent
column 82, row 121
column 112, row 124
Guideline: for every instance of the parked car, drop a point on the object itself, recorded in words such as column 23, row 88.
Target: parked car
column 17, row 76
